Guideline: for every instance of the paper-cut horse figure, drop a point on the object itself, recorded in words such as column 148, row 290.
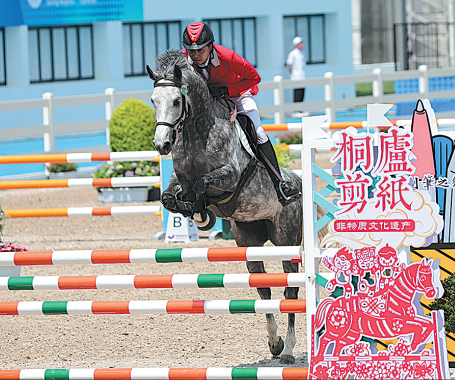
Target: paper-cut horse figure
column 346, row 320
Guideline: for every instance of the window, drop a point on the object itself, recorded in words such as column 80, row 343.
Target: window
column 143, row 41
column 312, row 30
column 239, row 34
column 2, row 58
column 61, row 53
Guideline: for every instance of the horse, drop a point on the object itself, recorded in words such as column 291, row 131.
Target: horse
column 397, row 318
column 209, row 159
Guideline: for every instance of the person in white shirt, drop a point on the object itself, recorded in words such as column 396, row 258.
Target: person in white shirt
column 296, row 64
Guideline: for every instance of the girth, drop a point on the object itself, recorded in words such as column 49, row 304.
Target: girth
column 226, row 202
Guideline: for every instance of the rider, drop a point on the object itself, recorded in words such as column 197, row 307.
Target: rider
column 229, row 75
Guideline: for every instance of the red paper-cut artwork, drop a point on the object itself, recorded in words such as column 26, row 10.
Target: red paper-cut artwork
column 379, row 300
column 387, row 201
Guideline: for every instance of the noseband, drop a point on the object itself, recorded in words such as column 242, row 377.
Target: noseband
column 184, row 113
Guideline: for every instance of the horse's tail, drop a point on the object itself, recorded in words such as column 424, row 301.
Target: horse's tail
column 321, row 311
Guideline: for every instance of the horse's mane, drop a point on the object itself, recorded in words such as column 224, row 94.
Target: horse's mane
column 171, row 58
column 167, row 61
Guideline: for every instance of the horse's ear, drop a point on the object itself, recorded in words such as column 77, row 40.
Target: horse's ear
column 177, row 73
column 152, row 74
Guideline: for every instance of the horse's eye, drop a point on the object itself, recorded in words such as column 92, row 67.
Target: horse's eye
column 176, row 102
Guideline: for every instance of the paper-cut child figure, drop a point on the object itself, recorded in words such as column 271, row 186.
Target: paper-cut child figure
column 341, row 265
column 365, row 262
column 386, row 269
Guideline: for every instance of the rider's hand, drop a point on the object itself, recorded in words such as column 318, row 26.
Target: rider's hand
column 219, row 92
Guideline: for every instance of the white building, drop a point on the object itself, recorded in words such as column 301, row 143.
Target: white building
column 77, row 47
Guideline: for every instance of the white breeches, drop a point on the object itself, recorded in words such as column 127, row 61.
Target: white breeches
column 246, row 105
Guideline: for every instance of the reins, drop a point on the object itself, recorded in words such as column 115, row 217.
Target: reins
column 184, row 114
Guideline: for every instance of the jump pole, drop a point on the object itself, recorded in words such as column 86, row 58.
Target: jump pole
column 154, row 281
column 79, row 157
column 77, row 182
column 132, row 256
column 152, row 307
column 82, row 211
column 211, row 373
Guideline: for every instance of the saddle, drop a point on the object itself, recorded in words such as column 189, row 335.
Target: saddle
column 226, row 202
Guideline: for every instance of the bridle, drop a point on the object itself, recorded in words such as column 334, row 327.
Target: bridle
column 183, row 114
column 185, row 107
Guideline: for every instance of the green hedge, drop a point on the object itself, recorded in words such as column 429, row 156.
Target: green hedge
column 447, row 303
column 132, row 127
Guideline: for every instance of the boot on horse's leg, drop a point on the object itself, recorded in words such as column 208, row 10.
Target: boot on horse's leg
column 287, row 192
column 204, row 218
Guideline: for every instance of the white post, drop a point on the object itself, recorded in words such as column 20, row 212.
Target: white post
column 309, row 235
column 378, row 87
column 423, row 81
column 109, row 109
column 329, row 91
column 48, row 121
column 278, row 99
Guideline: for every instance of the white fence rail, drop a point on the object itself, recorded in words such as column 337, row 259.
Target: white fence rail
column 48, row 129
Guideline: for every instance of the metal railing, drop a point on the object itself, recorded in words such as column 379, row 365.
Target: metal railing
column 48, row 129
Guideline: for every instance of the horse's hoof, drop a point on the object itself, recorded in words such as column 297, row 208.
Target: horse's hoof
column 208, row 222
column 277, row 348
column 287, row 359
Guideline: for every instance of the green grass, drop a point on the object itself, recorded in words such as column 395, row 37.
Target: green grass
column 366, row 89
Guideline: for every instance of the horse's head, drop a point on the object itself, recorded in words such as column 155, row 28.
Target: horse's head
column 425, row 279
column 169, row 100
column 179, row 92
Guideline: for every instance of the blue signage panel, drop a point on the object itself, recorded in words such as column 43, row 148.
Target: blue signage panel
column 68, row 12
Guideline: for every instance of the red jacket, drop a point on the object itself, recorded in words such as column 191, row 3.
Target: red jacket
column 231, row 70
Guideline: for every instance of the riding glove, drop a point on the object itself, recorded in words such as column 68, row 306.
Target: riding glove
column 219, row 92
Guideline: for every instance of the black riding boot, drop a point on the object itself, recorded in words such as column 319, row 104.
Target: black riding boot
column 287, row 192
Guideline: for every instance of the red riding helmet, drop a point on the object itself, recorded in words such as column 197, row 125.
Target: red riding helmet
column 197, row 35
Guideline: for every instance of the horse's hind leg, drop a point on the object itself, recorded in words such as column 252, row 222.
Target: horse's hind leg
column 275, row 341
column 250, row 235
column 286, row 230
column 287, row 357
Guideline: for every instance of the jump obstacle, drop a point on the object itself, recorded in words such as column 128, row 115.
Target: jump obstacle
column 152, row 306
column 147, row 281
column 140, row 307
column 97, row 182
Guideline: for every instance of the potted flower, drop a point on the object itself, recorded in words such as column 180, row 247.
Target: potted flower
column 8, row 271
column 127, row 169
column 64, row 170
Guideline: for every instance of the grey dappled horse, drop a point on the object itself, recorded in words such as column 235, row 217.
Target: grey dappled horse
column 208, row 160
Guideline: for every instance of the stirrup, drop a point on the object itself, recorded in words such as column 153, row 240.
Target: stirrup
column 290, row 198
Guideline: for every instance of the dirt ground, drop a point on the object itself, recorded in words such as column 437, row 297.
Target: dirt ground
column 134, row 340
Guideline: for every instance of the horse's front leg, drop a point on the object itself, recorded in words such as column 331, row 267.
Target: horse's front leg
column 224, row 179
column 175, row 199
